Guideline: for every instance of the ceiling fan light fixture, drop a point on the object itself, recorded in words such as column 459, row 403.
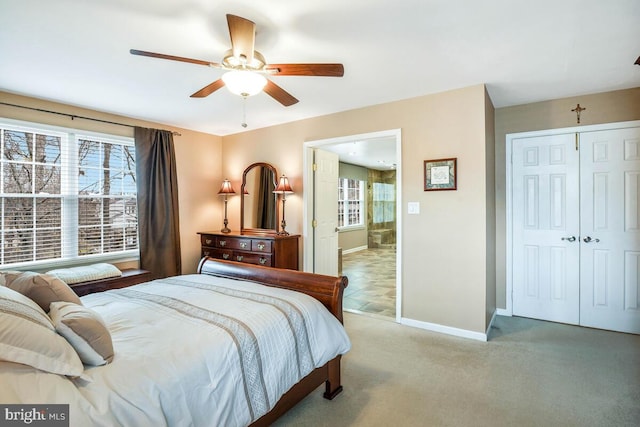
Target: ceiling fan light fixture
column 230, row 61
column 244, row 83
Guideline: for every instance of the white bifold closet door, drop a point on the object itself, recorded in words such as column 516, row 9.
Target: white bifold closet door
column 576, row 228
column 546, row 228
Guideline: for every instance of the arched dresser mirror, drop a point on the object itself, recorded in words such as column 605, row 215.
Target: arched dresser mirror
column 259, row 205
column 258, row 241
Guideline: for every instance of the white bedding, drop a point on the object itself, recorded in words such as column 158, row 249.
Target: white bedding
column 194, row 350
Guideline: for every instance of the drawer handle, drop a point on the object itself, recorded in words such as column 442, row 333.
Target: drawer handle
column 243, row 245
column 223, row 243
column 206, row 253
column 225, row 256
column 207, row 241
column 263, row 261
column 261, row 246
column 239, row 258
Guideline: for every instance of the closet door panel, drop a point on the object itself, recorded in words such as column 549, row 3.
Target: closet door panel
column 610, row 229
column 545, row 191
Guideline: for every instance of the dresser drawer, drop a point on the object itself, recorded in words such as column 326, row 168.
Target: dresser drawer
column 261, row 246
column 233, row 243
column 253, row 258
column 218, row 253
column 208, row 240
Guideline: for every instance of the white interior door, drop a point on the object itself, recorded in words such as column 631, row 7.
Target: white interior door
column 545, row 209
column 325, row 250
column 610, row 229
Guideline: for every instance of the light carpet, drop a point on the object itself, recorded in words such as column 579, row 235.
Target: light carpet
column 530, row 373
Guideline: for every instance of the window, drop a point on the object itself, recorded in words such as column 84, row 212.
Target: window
column 384, row 202
column 350, row 202
column 65, row 195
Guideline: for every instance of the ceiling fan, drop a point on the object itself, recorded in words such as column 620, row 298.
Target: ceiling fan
column 246, row 67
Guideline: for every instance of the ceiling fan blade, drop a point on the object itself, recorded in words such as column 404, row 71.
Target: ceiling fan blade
column 325, row 70
column 243, row 37
column 279, row 94
column 173, row 58
column 208, row 89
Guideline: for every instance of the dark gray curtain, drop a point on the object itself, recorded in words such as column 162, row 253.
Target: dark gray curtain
column 158, row 219
column 266, row 200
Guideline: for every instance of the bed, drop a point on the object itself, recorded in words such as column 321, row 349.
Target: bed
column 232, row 345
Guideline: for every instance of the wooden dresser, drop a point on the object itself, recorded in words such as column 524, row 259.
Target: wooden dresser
column 270, row 250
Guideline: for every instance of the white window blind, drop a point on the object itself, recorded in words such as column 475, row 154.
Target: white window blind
column 65, row 195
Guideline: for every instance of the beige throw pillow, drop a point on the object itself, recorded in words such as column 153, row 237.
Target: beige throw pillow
column 41, row 288
column 85, row 330
column 3, row 274
column 27, row 336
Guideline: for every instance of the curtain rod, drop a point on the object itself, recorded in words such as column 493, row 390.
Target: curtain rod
column 74, row 116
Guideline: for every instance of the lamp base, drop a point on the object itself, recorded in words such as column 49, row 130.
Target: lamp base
column 226, row 229
column 283, row 224
column 226, row 221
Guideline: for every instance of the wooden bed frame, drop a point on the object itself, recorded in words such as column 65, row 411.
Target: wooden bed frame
column 326, row 289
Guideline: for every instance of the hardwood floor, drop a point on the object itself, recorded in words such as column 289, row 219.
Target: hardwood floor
column 372, row 281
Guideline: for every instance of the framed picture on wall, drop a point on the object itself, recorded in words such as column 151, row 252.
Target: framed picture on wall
column 440, row 174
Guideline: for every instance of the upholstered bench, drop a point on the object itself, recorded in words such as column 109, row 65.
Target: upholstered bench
column 129, row 277
column 100, row 277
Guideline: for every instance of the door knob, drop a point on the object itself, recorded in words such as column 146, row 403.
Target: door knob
column 588, row 239
column 570, row 239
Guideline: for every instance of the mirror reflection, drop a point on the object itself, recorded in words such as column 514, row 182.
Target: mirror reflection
column 258, row 207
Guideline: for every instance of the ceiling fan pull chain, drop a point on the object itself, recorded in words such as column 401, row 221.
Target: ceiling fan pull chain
column 244, row 111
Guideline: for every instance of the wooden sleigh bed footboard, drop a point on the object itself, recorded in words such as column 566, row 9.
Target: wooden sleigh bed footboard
column 326, row 289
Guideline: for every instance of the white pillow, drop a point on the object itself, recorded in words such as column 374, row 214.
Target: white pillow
column 27, row 336
column 85, row 330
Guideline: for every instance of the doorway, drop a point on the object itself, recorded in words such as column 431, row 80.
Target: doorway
column 575, row 225
column 391, row 141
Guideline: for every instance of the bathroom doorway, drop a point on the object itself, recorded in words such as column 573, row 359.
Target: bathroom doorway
column 368, row 220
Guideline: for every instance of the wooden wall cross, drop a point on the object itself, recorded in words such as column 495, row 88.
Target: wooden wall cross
column 577, row 110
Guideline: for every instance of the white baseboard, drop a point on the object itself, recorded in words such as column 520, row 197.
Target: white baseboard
column 493, row 317
column 359, row 248
column 478, row 336
column 503, row 312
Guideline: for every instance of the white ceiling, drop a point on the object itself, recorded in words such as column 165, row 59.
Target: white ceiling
column 373, row 152
column 77, row 52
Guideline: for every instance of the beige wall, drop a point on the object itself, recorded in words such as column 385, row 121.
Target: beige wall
column 451, row 230
column 446, row 249
column 198, row 157
column 608, row 107
column 490, row 298
column 352, row 239
column 455, row 228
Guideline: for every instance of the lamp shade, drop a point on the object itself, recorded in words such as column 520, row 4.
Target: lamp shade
column 243, row 82
column 283, row 186
column 226, row 188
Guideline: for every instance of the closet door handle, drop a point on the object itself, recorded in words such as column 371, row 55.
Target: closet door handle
column 570, row 239
column 588, row 239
